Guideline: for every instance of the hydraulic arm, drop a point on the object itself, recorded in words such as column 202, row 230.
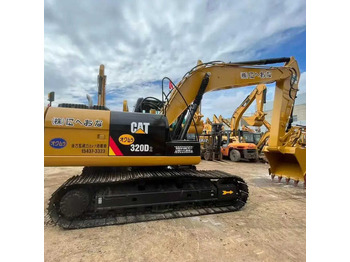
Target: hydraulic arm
column 258, row 94
column 285, row 162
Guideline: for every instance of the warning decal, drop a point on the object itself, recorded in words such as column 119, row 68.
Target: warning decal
column 113, row 148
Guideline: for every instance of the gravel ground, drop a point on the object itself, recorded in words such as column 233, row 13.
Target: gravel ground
column 271, row 227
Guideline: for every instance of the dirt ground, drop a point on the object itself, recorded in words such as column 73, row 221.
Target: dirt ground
column 271, row 227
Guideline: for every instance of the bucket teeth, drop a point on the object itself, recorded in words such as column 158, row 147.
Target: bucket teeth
column 272, row 176
column 287, row 180
column 296, row 182
column 279, row 179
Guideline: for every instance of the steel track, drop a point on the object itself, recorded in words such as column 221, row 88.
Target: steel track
column 99, row 176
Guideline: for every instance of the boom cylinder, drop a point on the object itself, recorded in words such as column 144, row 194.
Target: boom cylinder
column 195, row 105
column 264, row 61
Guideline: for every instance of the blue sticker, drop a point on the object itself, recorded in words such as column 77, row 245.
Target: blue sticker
column 58, row 143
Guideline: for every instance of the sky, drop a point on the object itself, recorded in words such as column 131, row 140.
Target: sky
column 140, row 42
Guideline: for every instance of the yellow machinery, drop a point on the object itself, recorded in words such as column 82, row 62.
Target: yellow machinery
column 258, row 119
column 211, row 139
column 238, row 148
column 207, row 126
column 204, row 137
column 285, row 94
column 216, row 120
column 125, row 106
column 224, row 121
column 234, row 146
column 197, row 125
column 225, row 76
column 259, row 95
column 137, row 168
column 293, row 145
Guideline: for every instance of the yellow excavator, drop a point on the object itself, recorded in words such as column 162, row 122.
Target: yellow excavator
column 258, row 118
column 211, row 140
column 207, row 126
column 224, row 121
column 197, row 125
column 140, row 166
column 238, row 146
column 244, row 148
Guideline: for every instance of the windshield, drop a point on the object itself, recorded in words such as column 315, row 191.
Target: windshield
column 257, row 138
column 248, row 137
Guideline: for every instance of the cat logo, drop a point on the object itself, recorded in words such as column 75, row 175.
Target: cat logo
column 224, row 192
column 139, row 128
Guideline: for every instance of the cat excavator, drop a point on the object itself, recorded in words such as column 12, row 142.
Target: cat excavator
column 140, row 166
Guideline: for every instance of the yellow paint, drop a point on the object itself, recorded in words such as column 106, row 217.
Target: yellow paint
column 120, row 160
column 126, row 139
column 81, row 140
column 224, row 192
column 140, row 131
column 285, row 160
column 111, row 152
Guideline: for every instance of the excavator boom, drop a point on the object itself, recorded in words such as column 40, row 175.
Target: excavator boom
column 259, row 94
column 234, row 75
column 227, row 76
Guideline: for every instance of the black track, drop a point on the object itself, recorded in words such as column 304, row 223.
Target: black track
column 98, row 177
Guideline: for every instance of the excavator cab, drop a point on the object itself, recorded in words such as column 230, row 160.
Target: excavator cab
column 257, row 137
column 247, row 137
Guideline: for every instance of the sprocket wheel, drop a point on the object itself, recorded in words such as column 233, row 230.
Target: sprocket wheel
column 74, row 203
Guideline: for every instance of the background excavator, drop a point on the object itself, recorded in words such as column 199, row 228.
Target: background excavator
column 251, row 139
column 140, row 166
column 258, row 118
column 211, row 140
column 244, row 148
column 207, row 126
column 240, row 144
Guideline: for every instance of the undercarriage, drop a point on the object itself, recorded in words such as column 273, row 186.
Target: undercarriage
column 109, row 196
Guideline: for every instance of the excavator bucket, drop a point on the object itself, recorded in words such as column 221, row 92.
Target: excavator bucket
column 287, row 162
column 253, row 121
